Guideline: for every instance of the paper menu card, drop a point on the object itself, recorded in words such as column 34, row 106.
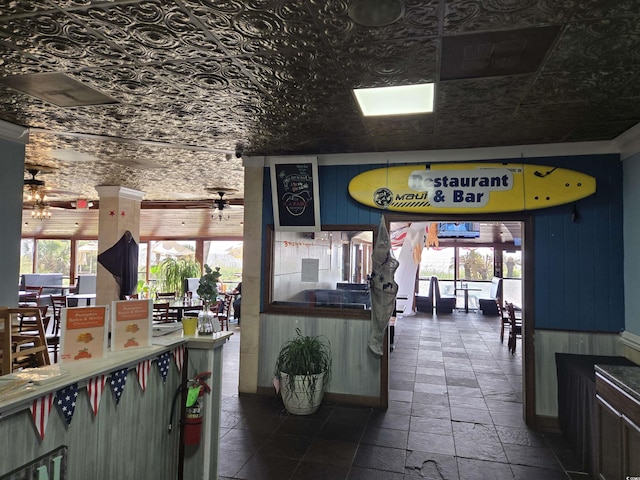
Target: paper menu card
column 83, row 333
column 131, row 324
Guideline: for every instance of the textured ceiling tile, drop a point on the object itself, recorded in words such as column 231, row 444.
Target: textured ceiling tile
column 555, row 87
column 185, row 170
column 596, row 43
column 390, row 142
column 420, row 20
column 586, row 9
column 401, row 125
column 151, row 31
column 482, row 15
column 480, row 96
column 59, row 42
column 196, row 78
column 22, row 7
column 599, row 131
column 392, row 63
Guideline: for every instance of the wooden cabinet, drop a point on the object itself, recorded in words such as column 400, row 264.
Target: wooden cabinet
column 618, row 420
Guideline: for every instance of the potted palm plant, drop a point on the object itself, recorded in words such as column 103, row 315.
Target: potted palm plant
column 174, row 271
column 303, row 368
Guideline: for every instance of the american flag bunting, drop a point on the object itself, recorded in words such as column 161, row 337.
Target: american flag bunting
column 95, row 387
column 118, row 380
column 163, row 365
column 178, row 355
column 40, row 410
column 142, row 369
column 66, row 401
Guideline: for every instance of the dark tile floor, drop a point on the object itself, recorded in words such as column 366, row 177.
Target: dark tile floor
column 455, row 413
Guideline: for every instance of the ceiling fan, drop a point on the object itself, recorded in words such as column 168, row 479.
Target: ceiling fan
column 221, row 204
column 33, row 182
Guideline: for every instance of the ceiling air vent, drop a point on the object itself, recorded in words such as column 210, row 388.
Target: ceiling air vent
column 491, row 54
column 58, row 89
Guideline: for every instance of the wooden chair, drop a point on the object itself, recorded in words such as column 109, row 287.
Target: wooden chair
column 29, row 325
column 161, row 312
column 223, row 312
column 165, row 295
column 22, row 349
column 515, row 328
column 504, row 319
column 171, row 314
column 58, row 302
column 32, row 297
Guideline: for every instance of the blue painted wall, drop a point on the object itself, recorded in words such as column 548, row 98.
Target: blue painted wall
column 578, row 277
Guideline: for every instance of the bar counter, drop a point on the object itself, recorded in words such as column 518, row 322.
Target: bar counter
column 128, row 439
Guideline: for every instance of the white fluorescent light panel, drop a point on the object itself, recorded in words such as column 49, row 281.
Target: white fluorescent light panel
column 402, row 100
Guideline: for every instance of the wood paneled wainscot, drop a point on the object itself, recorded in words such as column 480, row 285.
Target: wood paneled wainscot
column 127, row 440
column 618, row 412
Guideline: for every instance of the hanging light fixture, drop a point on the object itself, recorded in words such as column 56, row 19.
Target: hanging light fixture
column 220, row 204
column 36, row 196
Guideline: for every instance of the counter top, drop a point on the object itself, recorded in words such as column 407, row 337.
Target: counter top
column 73, row 372
column 624, row 377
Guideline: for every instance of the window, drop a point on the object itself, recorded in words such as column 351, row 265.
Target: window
column 228, row 256
column 325, row 269
column 53, row 256
column 437, row 262
column 26, row 255
column 87, row 256
column 512, row 270
column 475, row 263
column 160, row 251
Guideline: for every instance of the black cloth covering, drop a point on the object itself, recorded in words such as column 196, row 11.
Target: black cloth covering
column 577, row 414
column 121, row 261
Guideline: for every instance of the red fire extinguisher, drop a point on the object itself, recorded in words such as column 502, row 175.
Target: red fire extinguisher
column 196, row 388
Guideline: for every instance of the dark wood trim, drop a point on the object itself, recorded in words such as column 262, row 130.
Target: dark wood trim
column 384, row 371
column 528, row 322
column 545, row 422
column 528, row 313
column 295, row 309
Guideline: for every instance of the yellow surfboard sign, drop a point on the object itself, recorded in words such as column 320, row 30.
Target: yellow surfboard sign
column 470, row 187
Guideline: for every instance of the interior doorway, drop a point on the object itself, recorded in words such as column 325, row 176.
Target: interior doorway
column 466, row 253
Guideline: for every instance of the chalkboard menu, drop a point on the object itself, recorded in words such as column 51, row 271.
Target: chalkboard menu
column 294, row 185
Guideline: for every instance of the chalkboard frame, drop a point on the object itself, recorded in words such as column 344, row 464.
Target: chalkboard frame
column 284, row 220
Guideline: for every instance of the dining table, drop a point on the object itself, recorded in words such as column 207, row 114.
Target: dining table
column 181, row 307
column 466, row 291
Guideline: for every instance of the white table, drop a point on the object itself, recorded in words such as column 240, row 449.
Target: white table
column 87, row 297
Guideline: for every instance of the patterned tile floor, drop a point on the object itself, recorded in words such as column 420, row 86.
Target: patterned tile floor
column 455, row 413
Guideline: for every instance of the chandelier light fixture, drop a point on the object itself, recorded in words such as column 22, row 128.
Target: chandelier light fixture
column 40, row 208
column 36, row 196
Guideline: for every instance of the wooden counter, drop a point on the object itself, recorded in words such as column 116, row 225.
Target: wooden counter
column 125, row 440
column 618, row 411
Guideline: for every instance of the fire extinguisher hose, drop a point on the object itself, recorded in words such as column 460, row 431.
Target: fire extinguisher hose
column 173, row 406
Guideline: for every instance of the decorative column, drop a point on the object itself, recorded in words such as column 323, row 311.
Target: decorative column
column 12, row 147
column 119, row 212
column 251, row 276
